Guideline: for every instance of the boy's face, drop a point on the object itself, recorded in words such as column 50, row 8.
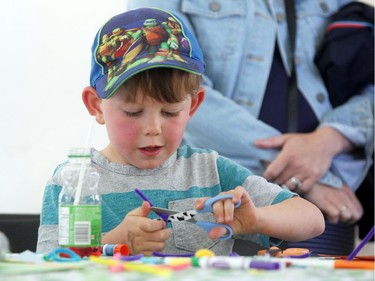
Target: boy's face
column 147, row 132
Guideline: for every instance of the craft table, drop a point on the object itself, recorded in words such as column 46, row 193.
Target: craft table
column 85, row 270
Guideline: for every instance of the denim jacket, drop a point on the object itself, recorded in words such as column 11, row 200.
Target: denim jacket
column 238, row 39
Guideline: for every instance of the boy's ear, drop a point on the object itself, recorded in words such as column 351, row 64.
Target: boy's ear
column 93, row 103
column 196, row 101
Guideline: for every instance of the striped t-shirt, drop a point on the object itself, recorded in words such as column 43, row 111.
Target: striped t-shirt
column 188, row 174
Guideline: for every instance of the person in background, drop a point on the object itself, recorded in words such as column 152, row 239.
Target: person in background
column 145, row 87
column 245, row 113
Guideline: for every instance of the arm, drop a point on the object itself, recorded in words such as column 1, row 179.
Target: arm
column 349, row 120
column 304, row 156
column 332, row 146
column 48, row 232
column 293, row 219
column 355, row 121
column 232, row 137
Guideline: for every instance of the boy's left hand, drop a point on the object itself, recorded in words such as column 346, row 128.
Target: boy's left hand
column 225, row 213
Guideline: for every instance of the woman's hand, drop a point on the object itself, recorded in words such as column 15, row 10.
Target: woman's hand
column 337, row 205
column 303, row 158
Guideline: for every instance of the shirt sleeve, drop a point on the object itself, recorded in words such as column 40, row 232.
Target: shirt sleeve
column 48, row 229
column 49, row 217
column 355, row 121
column 264, row 193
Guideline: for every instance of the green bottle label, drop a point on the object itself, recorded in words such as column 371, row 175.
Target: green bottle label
column 80, row 226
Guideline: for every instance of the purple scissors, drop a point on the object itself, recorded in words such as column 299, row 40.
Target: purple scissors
column 188, row 216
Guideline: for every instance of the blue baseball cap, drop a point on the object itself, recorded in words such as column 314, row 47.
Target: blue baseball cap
column 138, row 40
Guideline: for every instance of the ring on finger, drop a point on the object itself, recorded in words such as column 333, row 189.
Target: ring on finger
column 296, row 182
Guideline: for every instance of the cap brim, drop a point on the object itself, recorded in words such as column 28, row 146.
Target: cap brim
column 107, row 87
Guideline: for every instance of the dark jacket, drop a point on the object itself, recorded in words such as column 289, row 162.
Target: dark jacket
column 346, row 55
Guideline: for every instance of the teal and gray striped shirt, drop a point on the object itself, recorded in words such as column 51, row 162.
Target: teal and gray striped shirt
column 188, row 174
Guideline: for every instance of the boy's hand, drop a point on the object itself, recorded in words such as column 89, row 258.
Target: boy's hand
column 141, row 234
column 239, row 219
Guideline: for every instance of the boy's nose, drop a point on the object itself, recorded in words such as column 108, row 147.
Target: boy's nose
column 152, row 127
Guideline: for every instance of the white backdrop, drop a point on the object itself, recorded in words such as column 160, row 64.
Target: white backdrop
column 45, row 63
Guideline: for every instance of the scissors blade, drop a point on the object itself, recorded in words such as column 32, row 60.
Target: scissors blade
column 176, row 215
column 187, row 216
column 164, row 211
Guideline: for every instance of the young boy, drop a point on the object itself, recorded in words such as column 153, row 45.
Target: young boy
column 145, row 87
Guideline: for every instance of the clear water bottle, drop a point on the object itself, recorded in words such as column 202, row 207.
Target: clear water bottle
column 80, row 210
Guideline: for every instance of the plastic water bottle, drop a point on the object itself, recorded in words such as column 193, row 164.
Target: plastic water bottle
column 80, row 210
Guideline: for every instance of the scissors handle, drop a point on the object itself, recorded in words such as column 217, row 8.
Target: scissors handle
column 207, row 226
column 207, row 208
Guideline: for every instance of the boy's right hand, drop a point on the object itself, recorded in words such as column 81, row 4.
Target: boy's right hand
column 141, row 234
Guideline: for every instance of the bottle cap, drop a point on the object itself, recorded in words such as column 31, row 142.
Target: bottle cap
column 113, row 249
column 122, row 249
column 80, row 152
